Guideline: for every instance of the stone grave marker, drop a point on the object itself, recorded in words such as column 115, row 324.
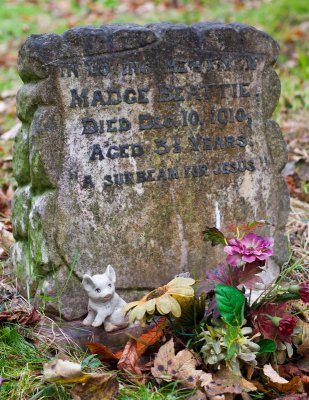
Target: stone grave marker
column 133, row 140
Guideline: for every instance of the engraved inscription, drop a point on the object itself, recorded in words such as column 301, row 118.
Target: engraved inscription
column 193, row 121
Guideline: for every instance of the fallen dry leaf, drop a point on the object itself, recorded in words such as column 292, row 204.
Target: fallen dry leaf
column 150, row 337
column 289, row 370
column 199, row 395
column 294, row 386
column 97, row 387
column 302, row 396
column 273, row 375
column 282, row 385
column 6, row 196
column 104, row 352
column 129, row 359
column 305, row 380
column 250, row 371
column 303, row 338
column 303, row 364
column 165, row 355
column 303, row 348
column 182, row 367
column 259, row 386
column 246, row 396
column 32, row 318
column 22, row 315
column 219, row 397
column 6, row 240
column 227, row 382
column 135, row 347
column 147, row 339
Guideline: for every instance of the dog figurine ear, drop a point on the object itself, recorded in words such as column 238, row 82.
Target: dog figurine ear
column 88, row 282
column 110, row 272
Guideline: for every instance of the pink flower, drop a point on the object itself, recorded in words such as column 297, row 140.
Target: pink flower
column 304, row 291
column 248, row 249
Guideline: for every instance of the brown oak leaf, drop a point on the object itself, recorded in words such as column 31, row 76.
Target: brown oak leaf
column 169, row 366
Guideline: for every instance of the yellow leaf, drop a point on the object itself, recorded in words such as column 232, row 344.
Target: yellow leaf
column 78, row 379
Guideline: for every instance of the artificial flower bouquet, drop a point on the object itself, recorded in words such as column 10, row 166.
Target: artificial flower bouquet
column 228, row 322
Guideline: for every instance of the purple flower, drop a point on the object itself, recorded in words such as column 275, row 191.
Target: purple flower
column 249, row 249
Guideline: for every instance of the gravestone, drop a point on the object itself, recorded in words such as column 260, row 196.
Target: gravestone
column 133, row 140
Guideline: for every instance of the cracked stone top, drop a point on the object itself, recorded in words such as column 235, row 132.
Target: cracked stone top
column 133, row 140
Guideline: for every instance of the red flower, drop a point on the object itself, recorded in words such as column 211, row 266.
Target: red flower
column 286, row 328
column 273, row 322
column 263, row 323
column 304, row 291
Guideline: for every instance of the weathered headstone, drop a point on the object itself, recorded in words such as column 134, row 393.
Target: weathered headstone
column 133, row 140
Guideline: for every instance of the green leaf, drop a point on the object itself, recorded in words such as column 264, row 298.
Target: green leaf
column 231, row 303
column 267, row 346
column 231, row 351
column 230, row 338
column 91, row 361
column 281, row 298
column 231, row 335
column 214, row 236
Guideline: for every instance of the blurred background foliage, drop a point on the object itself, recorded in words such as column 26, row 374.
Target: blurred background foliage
column 286, row 20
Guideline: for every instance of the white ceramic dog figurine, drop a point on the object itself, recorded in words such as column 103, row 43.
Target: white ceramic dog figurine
column 105, row 305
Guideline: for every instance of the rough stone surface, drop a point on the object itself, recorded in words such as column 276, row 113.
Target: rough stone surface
column 133, row 140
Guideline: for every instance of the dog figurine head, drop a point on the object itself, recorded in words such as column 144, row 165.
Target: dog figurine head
column 100, row 288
